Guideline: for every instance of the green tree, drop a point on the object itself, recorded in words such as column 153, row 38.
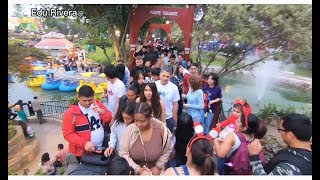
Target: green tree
column 100, row 38
column 113, row 19
column 66, row 26
column 17, row 64
column 281, row 30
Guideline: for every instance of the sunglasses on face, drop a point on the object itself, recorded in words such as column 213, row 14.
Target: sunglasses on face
column 148, row 81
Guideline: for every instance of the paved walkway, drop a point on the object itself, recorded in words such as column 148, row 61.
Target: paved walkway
column 49, row 135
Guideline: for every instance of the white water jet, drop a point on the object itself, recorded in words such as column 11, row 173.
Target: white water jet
column 265, row 74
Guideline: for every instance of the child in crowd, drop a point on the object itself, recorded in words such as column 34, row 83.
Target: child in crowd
column 124, row 118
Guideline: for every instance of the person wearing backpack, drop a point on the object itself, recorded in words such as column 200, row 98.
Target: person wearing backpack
column 239, row 107
column 296, row 159
column 234, row 146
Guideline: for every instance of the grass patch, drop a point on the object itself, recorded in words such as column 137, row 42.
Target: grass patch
column 16, row 41
column 11, row 130
column 301, row 72
column 99, row 56
column 219, row 60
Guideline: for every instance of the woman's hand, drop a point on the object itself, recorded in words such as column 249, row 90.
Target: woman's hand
column 108, row 151
column 144, row 171
column 155, row 170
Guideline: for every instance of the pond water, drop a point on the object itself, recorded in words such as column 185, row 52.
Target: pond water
column 17, row 91
column 244, row 89
column 274, row 95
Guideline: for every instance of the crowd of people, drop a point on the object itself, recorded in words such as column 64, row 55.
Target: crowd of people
column 162, row 117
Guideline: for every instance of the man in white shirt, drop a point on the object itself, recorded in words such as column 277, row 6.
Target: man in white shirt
column 169, row 94
column 116, row 89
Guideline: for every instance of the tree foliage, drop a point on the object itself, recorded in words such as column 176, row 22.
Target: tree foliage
column 108, row 19
column 66, row 26
column 17, row 64
column 281, row 30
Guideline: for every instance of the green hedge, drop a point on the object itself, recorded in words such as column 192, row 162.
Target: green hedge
column 11, row 130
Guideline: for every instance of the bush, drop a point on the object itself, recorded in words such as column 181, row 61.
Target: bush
column 40, row 173
column 11, row 172
column 72, row 100
column 60, row 170
column 274, row 111
column 11, row 130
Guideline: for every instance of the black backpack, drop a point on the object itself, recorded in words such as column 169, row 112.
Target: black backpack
column 92, row 164
column 88, row 169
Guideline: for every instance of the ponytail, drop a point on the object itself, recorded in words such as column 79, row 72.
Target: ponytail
column 261, row 131
column 255, row 126
column 209, row 166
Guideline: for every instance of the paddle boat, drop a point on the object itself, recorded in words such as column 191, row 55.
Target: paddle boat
column 38, row 68
column 39, row 72
column 101, row 87
column 87, row 74
column 36, row 81
column 102, row 75
column 83, row 82
column 68, row 86
column 51, row 84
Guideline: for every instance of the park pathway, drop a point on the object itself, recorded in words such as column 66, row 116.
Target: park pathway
column 49, row 135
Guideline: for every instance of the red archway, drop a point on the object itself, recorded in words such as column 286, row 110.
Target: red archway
column 165, row 27
column 182, row 16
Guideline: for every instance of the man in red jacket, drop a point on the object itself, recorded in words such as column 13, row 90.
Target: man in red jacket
column 82, row 122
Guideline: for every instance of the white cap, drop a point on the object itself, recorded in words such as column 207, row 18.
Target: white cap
column 213, row 133
column 198, row 129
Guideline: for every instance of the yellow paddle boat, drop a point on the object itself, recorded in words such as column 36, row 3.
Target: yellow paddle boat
column 37, row 68
column 101, row 87
column 83, row 82
column 87, row 74
column 102, row 75
column 36, row 81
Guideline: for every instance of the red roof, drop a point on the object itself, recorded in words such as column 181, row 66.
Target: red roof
column 62, row 43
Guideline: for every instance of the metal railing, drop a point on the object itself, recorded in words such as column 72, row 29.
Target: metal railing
column 54, row 109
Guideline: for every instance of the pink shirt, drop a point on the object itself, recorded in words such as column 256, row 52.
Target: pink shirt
column 61, row 155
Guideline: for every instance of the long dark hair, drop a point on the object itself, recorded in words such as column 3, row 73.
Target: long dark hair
column 202, row 155
column 127, row 108
column 183, row 134
column 155, row 99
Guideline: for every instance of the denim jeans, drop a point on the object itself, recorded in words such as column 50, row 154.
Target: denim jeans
column 220, row 164
column 202, row 117
column 171, row 124
column 207, row 122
